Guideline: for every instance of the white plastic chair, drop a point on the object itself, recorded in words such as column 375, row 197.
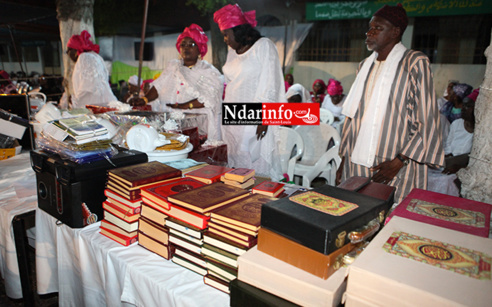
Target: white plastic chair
column 291, row 147
column 325, row 116
column 318, row 159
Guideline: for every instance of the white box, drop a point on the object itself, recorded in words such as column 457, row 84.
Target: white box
column 286, row 281
column 380, row 278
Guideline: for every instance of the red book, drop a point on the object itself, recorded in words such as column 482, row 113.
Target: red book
column 208, row 174
column 240, row 174
column 446, row 211
column 131, row 195
column 159, row 193
column 133, row 206
column 118, row 237
column 120, row 213
column 140, row 174
column 269, row 188
column 194, row 219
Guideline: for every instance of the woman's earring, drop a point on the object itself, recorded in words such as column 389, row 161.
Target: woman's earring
column 200, row 56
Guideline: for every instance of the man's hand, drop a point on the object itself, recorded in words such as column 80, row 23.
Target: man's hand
column 386, row 171
column 338, row 178
column 261, row 131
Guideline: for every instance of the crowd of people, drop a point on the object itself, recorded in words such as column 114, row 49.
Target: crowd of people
column 394, row 127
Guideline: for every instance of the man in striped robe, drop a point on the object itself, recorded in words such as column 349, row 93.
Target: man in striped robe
column 392, row 132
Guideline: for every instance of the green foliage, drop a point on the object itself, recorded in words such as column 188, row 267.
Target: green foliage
column 208, row 6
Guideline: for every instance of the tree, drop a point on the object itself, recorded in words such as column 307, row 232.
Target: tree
column 73, row 16
column 476, row 179
column 219, row 48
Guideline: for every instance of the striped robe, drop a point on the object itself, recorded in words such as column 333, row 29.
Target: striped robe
column 411, row 126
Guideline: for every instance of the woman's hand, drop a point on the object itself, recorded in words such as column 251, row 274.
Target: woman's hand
column 261, row 131
column 136, row 102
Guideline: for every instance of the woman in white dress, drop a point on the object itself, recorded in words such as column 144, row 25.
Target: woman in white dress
column 189, row 83
column 252, row 75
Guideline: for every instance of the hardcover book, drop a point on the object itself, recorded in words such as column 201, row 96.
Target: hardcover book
column 223, row 243
column 143, row 173
column 321, row 218
column 243, row 185
column 110, row 226
column 422, row 265
column 239, row 174
column 133, row 206
column 219, row 254
column 241, row 233
column 221, row 270
column 243, row 294
column 154, row 246
column 247, row 243
column 217, row 223
column 131, row 210
column 288, row 282
column 120, row 213
column 354, row 183
column 216, row 283
column 189, row 265
column 208, row 174
column 245, row 212
column 447, row 211
column 132, row 195
column 268, row 188
column 188, row 245
column 300, row 256
column 184, row 227
column 154, row 230
column 152, row 214
column 185, row 236
column 128, row 227
column 159, row 193
column 196, row 258
column 187, row 216
column 207, row 198
column 118, row 237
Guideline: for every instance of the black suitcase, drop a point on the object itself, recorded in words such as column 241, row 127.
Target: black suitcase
column 73, row 193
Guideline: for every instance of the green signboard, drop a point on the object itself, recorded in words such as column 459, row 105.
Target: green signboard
column 414, row 8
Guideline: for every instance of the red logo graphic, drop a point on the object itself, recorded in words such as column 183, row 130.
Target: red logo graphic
column 290, row 114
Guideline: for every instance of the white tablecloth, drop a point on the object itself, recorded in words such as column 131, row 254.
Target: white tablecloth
column 17, row 196
column 88, row 269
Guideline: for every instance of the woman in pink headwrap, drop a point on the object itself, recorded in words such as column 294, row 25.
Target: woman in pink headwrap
column 253, row 74
column 189, row 83
column 90, row 78
column 319, row 91
column 335, row 98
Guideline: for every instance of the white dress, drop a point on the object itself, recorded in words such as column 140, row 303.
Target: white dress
column 255, row 77
column 178, row 83
column 90, row 81
column 459, row 141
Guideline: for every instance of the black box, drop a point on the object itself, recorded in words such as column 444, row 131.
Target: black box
column 64, row 186
column 321, row 231
column 246, row 295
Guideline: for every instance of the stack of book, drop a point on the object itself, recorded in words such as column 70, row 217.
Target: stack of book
column 239, row 177
column 77, row 130
column 186, row 165
column 122, row 206
column 232, row 230
column 208, row 174
column 269, row 188
column 158, row 214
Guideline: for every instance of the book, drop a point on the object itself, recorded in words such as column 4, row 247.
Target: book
column 300, row 256
column 185, row 164
column 239, row 174
column 207, row 198
column 110, row 226
column 152, row 214
column 189, row 265
column 223, row 243
column 191, row 246
column 244, row 294
column 216, row 223
column 131, row 209
column 241, row 233
column 129, row 227
column 118, row 237
column 290, row 283
column 154, row 246
column 268, row 188
column 243, row 185
column 219, row 255
column 225, row 272
column 216, row 283
column 184, row 227
column 143, row 173
column 196, row 258
column 121, row 187
column 249, row 242
column 160, row 192
column 185, row 236
column 208, row 174
column 245, row 212
column 132, row 195
column 120, row 213
column 321, row 218
column 82, row 125
column 409, row 260
column 153, row 230
column 354, row 183
column 447, row 211
column 187, row 216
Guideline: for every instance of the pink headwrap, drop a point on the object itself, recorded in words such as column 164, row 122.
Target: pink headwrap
column 334, row 87
column 473, row 96
column 82, row 43
column 195, row 32
column 231, row 15
column 322, row 84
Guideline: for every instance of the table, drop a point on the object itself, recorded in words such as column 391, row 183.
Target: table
column 88, row 269
column 17, row 197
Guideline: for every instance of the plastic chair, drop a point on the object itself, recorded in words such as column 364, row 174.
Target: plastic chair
column 320, row 157
column 325, row 116
column 291, row 147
